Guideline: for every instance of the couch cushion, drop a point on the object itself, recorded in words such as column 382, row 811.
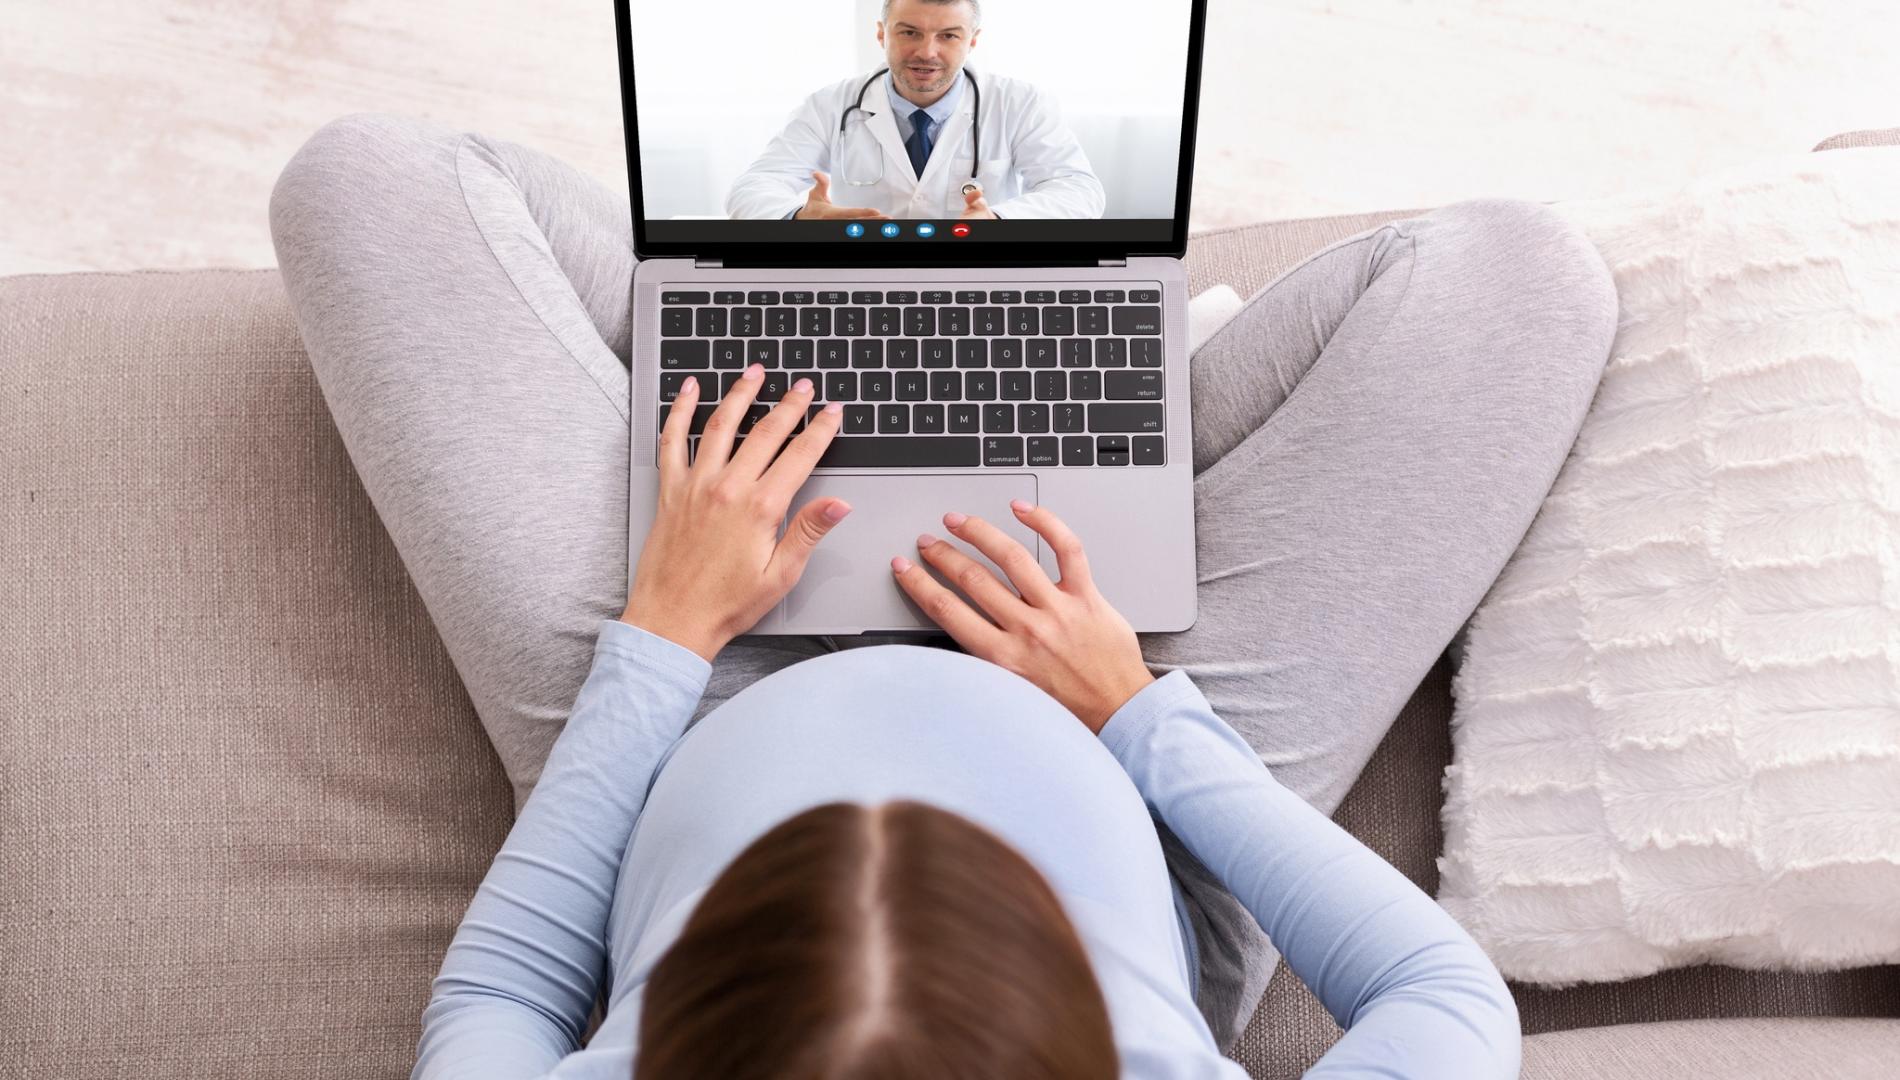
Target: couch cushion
column 243, row 799
column 1746, row 1049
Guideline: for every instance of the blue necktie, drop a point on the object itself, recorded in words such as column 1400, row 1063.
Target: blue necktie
column 919, row 142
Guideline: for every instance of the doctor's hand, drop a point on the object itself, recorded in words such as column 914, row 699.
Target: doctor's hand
column 976, row 206
column 818, row 203
column 713, row 563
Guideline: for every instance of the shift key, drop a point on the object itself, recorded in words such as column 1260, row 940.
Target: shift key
column 1118, row 416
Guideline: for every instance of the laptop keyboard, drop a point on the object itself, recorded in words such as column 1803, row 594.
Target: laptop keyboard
column 943, row 378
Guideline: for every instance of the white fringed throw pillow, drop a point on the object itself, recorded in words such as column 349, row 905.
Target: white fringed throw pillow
column 1677, row 728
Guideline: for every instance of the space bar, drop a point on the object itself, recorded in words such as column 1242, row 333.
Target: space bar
column 902, row 452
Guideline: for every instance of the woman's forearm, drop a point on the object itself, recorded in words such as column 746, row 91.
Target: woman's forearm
column 1412, row 989
column 520, row 978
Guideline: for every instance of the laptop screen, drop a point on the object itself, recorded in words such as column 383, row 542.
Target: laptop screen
column 866, row 130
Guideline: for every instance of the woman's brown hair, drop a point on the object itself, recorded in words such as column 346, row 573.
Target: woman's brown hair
column 854, row 942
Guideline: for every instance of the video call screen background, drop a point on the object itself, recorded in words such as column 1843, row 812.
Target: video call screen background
column 715, row 81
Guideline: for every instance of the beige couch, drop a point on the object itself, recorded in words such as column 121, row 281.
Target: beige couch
column 244, row 800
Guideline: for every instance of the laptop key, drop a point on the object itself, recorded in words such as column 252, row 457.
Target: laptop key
column 1110, row 296
column 850, row 322
column 886, row 322
column 999, row 418
column 1092, row 321
column 868, row 353
column 1125, row 416
column 1040, row 296
column 1005, row 296
column 1137, row 320
column 1085, row 385
column 1032, row 418
column 834, row 297
column 676, row 322
column 900, row 297
column 1078, row 450
column 863, row 297
column 940, row 296
column 937, row 353
column 1040, row 352
column 1144, row 296
column 752, row 415
column 1133, row 385
column 1059, row 321
column 987, row 321
column 772, row 386
column 728, row 297
column 841, row 386
column 900, row 353
column 927, row 419
column 685, row 354
column 1003, row 450
column 728, row 354
column 971, row 296
column 1077, row 352
column 1148, row 450
column 710, row 322
column 1006, row 352
column 1068, row 416
column 979, row 385
column 953, row 321
column 920, row 321
column 833, row 353
column 797, row 353
column 893, row 419
column 1074, row 296
column 946, row 386
column 963, row 417
column 902, row 452
column 780, row 321
column 1043, row 450
column 763, row 352
column 685, row 298
column 859, row 419
column 747, row 322
column 1014, row 385
column 973, row 353
column 1023, row 320
column 1144, row 352
column 874, row 385
column 1051, row 386
column 814, row 321
column 671, row 381
column 912, row 385
column 797, row 298
column 1111, row 352
column 761, row 297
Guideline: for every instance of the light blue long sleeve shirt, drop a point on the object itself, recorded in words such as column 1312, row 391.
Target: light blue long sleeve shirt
column 634, row 816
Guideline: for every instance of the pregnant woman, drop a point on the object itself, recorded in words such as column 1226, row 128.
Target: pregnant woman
column 1053, row 847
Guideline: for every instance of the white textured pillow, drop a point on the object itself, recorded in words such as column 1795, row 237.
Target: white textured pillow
column 1676, row 736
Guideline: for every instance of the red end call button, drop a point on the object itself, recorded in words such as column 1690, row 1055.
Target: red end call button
column 959, row 229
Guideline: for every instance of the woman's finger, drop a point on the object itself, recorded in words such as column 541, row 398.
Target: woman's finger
column 715, row 443
column 976, row 581
column 679, row 421
column 947, row 609
column 766, row 436
column 1005, row 551
column 1071, row 561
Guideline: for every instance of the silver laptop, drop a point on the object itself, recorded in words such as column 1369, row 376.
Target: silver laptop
column 988, row 276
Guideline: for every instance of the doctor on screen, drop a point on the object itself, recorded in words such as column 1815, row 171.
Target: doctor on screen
column 929, row 137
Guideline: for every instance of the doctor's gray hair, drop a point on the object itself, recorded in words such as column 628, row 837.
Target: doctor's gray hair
column 976, row 10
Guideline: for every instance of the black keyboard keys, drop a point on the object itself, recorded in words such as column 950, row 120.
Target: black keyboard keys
column 1003, row 450
column 676, row 322
column 685, row 354
column 1124, row 416
column 1133, row 385
column 1137, row 320
column 902, row 452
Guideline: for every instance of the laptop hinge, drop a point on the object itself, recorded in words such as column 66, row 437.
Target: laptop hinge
column 1111, row 262
column 708, row 264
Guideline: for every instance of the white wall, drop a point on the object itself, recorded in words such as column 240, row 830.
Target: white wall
column 717, row 80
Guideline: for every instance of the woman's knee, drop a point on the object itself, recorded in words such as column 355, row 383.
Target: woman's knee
column 1541, row 283
column 349, row 169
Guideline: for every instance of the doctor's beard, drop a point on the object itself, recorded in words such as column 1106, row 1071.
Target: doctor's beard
column 939, row 79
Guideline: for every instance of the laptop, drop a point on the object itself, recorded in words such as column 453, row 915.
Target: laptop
column 989, row 280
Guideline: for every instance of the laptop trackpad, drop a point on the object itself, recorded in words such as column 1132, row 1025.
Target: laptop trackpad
column 848, row 586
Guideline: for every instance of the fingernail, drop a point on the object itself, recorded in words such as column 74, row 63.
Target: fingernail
column 690, row 386
column 834, row 407
column 900, row 564
column 1021, row 506
column 953, row 519
column 836, row 511
column 756, row 371
column 802, row 384
column 924, row 540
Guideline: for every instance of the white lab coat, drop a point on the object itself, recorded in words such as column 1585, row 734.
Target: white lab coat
column 1030, row 165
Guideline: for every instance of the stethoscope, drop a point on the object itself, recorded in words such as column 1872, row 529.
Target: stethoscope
column 976, row 132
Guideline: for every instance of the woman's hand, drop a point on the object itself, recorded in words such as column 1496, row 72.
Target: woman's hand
column 712, row 564
column 1063, row 637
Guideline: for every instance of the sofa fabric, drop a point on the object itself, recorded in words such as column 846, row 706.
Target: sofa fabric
column 1748, row 1049
column 243, row 799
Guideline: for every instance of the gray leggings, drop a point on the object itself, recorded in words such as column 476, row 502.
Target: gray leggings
column 1372, row 436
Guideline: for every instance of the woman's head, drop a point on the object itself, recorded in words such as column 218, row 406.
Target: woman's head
column 890, row 941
